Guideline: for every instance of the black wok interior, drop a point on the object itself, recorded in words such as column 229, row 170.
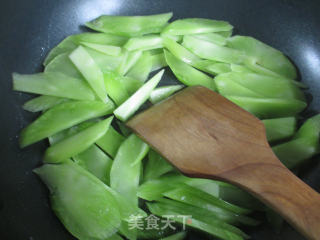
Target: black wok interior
column 29, row 29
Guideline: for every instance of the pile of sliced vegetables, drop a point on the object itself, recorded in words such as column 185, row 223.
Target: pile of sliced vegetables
column 100, row 174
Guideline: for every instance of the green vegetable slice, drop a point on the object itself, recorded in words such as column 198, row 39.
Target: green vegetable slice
column 152, row 190
column 180, row 52
column 177, row 236
column 143, row 43
column 81, row 201
column 156, row 166
column 142, row 68
column 130, row 25
column 128, row 61
column 103, row 61
column 280, row 128
column 253, row 85
column 227, row 87
column 61, row 117
column 187, row 74
column 53, row 84
column 42, row 103
column 216, row 228
column 225, row 34
column 269, row 107
column 107, row 49
column 212, row 67
column 195, row 26
column 304, row 144
column 212, row 37
column 199, row 198
column 91, row 72
column 77, row 143
column 115, row 87
column 115, row 237
column 198, row 214
column 265, row 86
column 96, row 162
column 70, row 43
column 212, row 51
column 263, row 55
column 128, row 163
column 131, row 105
column 163, row 92
column 110, row 141
column 63, row 64
column 158, row 61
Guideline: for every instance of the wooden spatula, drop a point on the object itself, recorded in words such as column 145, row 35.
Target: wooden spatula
column 205, row 135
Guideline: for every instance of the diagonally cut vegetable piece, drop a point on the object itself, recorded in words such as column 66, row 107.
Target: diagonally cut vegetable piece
column 71, row 131
column 304, row 145
column 227, row 87
column 142, row 68
column 163, row 92
column 143, row 43
column 127, row 208
column 260, row 71
column 158, row 61
column 61, row 117
column 225, row 34
column 70, row 43
column 264, row 55
column 155, row 166
column 53, row 84
column 206, row 185
column 115, row 237
column 63, row 64
column 128, row 163
column 91, row 72
column 77, row 143
column 131, row 105
column 212, row 67
column 96, row 162
column 176, row 236
column 199, row 214
column 280, row 128
column 237, row 196
column 153, row 189
column 128, row 61
column 180, row 52
column 130, row 25
column 81, row 201
column 216, row 228
column 212, row 51
column 294, row 152
column 310, row 129
column 107, row 49
column 199, row 198
column 127, row 231
column 212, row 37
column 110, row 141
column 105, row 62
column 269, row 107
column 187, row 74
column 195, row 26
column 116, row 88
column 266, row 86
column 42, row 103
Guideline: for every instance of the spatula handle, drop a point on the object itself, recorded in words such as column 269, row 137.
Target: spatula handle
column 279, row 188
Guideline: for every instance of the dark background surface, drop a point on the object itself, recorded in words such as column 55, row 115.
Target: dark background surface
column 29, row 29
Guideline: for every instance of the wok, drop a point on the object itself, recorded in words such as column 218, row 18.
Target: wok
column 29, row 29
